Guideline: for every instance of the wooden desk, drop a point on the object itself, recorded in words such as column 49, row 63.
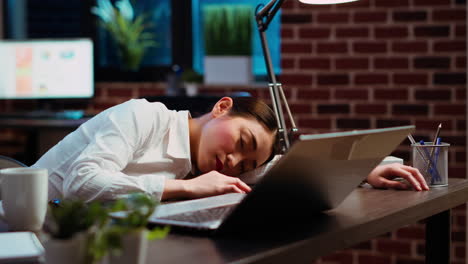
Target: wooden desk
column 365, row 214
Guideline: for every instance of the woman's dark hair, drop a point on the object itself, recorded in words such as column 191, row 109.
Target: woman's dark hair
column 251, row 107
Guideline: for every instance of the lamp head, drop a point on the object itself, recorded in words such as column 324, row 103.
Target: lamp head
column 325, row 2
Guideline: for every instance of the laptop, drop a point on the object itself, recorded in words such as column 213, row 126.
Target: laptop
column 316, row 174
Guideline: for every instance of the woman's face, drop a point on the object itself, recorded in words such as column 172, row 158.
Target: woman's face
column 232, row 145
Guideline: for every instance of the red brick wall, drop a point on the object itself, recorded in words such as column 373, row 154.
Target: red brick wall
column 378, row 63
column 368, row 64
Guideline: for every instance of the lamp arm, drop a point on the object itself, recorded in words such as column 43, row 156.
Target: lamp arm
column 267, row 13
column 263, row 18
column 264, row 9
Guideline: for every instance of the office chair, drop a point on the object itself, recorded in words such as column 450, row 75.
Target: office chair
column 6, row 162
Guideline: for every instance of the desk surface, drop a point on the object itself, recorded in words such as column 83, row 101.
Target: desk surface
column 34, row 124
column 365, row 214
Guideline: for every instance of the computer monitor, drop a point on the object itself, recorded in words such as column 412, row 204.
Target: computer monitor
column 46, row 69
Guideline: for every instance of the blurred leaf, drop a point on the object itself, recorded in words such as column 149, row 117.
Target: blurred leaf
column 72, row 217
column 130, row 33
column 228, row 29
column 104, row 233
column 191, row 76
column 158, row 233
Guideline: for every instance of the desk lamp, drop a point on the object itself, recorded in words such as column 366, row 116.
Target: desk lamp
column 263, row 16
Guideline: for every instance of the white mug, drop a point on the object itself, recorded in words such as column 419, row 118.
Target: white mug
column 24, row 194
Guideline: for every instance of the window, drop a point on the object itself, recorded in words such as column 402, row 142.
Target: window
column 44, row 19
column 159, row 14
column 258, row 63
column 164, row 16
column 36, row 19
column 174, row 21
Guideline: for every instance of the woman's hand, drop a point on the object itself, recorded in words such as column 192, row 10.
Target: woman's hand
column 381, row 177
column 214, row 183
column 208, row 184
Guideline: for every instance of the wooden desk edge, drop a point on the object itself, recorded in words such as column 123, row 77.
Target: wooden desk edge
column 309, row 249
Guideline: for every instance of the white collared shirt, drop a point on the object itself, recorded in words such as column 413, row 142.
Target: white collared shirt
column 134, row 146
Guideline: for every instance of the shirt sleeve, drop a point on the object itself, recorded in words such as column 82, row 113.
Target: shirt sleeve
column 96, row 174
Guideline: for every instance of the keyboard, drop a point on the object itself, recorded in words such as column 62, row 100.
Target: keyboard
column 201, row 216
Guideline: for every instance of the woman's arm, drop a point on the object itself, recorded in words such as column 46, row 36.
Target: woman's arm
column 113, row 140
column 381, row 177
column 208, row 184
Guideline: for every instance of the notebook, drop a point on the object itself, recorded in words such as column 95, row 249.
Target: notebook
column 20, row 247
column 316, row 174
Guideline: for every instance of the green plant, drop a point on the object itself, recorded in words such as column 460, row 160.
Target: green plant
column 69, row 218
column 128, row 31
column 72, row 217
column 137, row 208
column 228, row 29
column 104, row 233
column 191, row 76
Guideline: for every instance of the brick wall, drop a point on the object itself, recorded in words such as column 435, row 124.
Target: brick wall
column 368, row 64
column 378, row 63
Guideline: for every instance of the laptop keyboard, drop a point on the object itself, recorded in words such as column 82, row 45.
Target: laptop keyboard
column 200, row 216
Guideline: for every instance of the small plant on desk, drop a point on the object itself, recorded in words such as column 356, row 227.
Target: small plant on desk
column 126, row 236
column 70, row 225
column 86, row 233
column 191, row 80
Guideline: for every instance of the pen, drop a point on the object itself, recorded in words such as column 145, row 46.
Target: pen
column 411, row 139
column 422, row 143
column 436, row 158
column 428, row 162
column 429, row 169
column 431, row 166
column 413, row 142
column 434, row 143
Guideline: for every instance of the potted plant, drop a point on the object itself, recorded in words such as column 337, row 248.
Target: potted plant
column 126, row 237
column 129, row 32
column 228, row 44
column 69, row 226
column 191, row 80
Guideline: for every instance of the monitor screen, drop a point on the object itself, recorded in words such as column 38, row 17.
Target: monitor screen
column 46, row 69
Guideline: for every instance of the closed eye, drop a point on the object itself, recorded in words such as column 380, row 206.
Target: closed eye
column 241, row 142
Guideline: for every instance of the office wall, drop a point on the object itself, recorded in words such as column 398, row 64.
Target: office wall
column 382, row 63
column 372, row 63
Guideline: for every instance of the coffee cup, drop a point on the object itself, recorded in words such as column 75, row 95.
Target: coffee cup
column 24, row 198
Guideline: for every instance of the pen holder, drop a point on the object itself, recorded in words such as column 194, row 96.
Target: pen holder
column 432, row 161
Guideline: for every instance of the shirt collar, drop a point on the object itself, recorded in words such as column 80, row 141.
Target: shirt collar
column 178, row 145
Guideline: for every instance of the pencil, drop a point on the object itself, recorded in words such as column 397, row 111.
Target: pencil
column 434, row 143
column 428, row 162
column 411, row 139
